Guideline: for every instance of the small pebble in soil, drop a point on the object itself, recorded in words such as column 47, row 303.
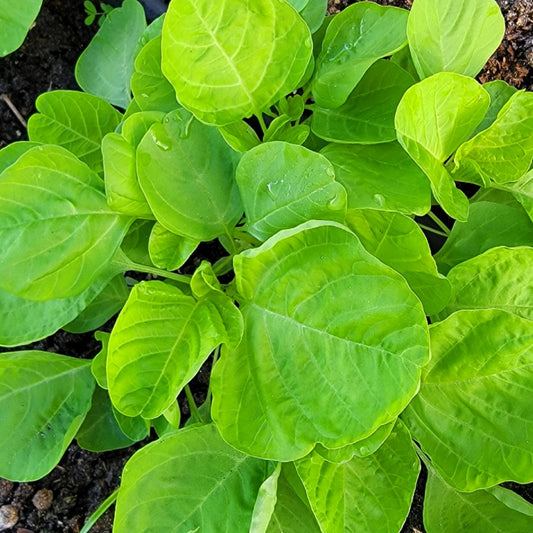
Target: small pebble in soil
column 6, row 487
column 9, row 516
column 43, row 499
column 23, row 530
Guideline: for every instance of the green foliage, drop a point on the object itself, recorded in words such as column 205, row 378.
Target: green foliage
column 16, row 19
column 298, row 156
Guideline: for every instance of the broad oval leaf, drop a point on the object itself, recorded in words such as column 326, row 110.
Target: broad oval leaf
column 367, row 116
column 159, row 342
column 500, row 278
column 473, row 414
column 191, row 478
column 380, row 176
column 493, row 510
column 457, row 36
column 105, row 67
column 502, row 153
column 56, row 230
column 433, row 119
column 44, row 398
column 187, row 173
column 356, row 38
column 313, row 13
column 168, row 250
column 283, row 185
column 373, row 493
column 308, row 298
column 223, row 71
column 15, row 21
column 75, row 120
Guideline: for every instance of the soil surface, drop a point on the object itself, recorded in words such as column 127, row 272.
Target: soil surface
column 62, row 501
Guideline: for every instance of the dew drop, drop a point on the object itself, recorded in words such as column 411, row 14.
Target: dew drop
column 363, row 450
column 330, row 172
column 379, row 199
column 164, row 146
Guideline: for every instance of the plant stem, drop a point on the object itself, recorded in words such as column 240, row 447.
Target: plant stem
column 192, row 405
column 433, row 230
column 246, row 237
column 102, row 508
column 439, row 223
column 125, row 263
column 262, row 122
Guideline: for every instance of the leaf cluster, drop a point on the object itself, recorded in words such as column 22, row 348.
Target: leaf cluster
column 328, row 157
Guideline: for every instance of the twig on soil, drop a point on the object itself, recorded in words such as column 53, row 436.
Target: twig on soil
column 14, row 110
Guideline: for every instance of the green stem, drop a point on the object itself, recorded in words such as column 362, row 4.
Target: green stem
column 192, row 405
column 439, row 223
column 102, row 508
column 224, row 265
column 262, row 123
column 126, row 264
column 306, row 93
column 433, row 230
column 246, row 237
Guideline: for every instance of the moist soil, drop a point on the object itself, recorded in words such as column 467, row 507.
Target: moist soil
column 62, row 501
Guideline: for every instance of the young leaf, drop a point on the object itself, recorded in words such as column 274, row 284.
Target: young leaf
column 44, row 398
column 168, row 250
column 105, row 67
column 108, row 302
column 214, row 64
column 380, row 176
column 292, row 513
column 15, row 21
column 240, row 136
column 491, row 222
column 191, row 190
column 398, row 241
column 159, row 342
column 75, row 120
column 500, row 278
column 522, row 190
column 503, row 152
column 491, row 510
column 150, row 88
column 456, row 36
column 473, row 414
column 57, row 232
column 283, row 185
column 135, row 243
column 433, row 119
column 100, row 431
column 265, row 503
column 186, row 482
column 98, row 364
column 367, row 116
column 356, row 38
column 369, row 494
column 308, row 298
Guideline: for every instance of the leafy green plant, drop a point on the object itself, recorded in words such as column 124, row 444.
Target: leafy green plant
column 321, row 153
column 92, row 12
column 16, row 19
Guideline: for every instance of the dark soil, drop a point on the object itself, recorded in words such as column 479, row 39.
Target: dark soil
column 62, row 501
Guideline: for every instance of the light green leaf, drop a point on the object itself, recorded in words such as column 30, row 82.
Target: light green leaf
column 265, row 503
column 473, row 414
column 135, row 243
column 240, row 136
column 75, row 120
column 362, row 448
column 105, row 67
column 522, row 190
column 98, row 364
column 168, row 250
column 500, row 278
column 433, row 119
column 191, row 189
column 187, row 482
column 100, row 431
column 398, row 241
column 10, row 153
column 121, row 184
column 483, row 511
column 283, row 185
column 44, row 398
column 134, row 427
column 356, row 38
column 57, row 233
column 107, row 303
column 308, row 300
column 150, row 88
column 16, row 19
column 292, row 513
column 492, row 222
column 503, row 152
column 223, row 71
column 499, row 93
column 159, row 342
column 24, row 321
column 380, row 176
column 313, row 13
column 204, row 280
column 134, row 127
column 369, row 494
column 367, row 116
column 457, row 36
